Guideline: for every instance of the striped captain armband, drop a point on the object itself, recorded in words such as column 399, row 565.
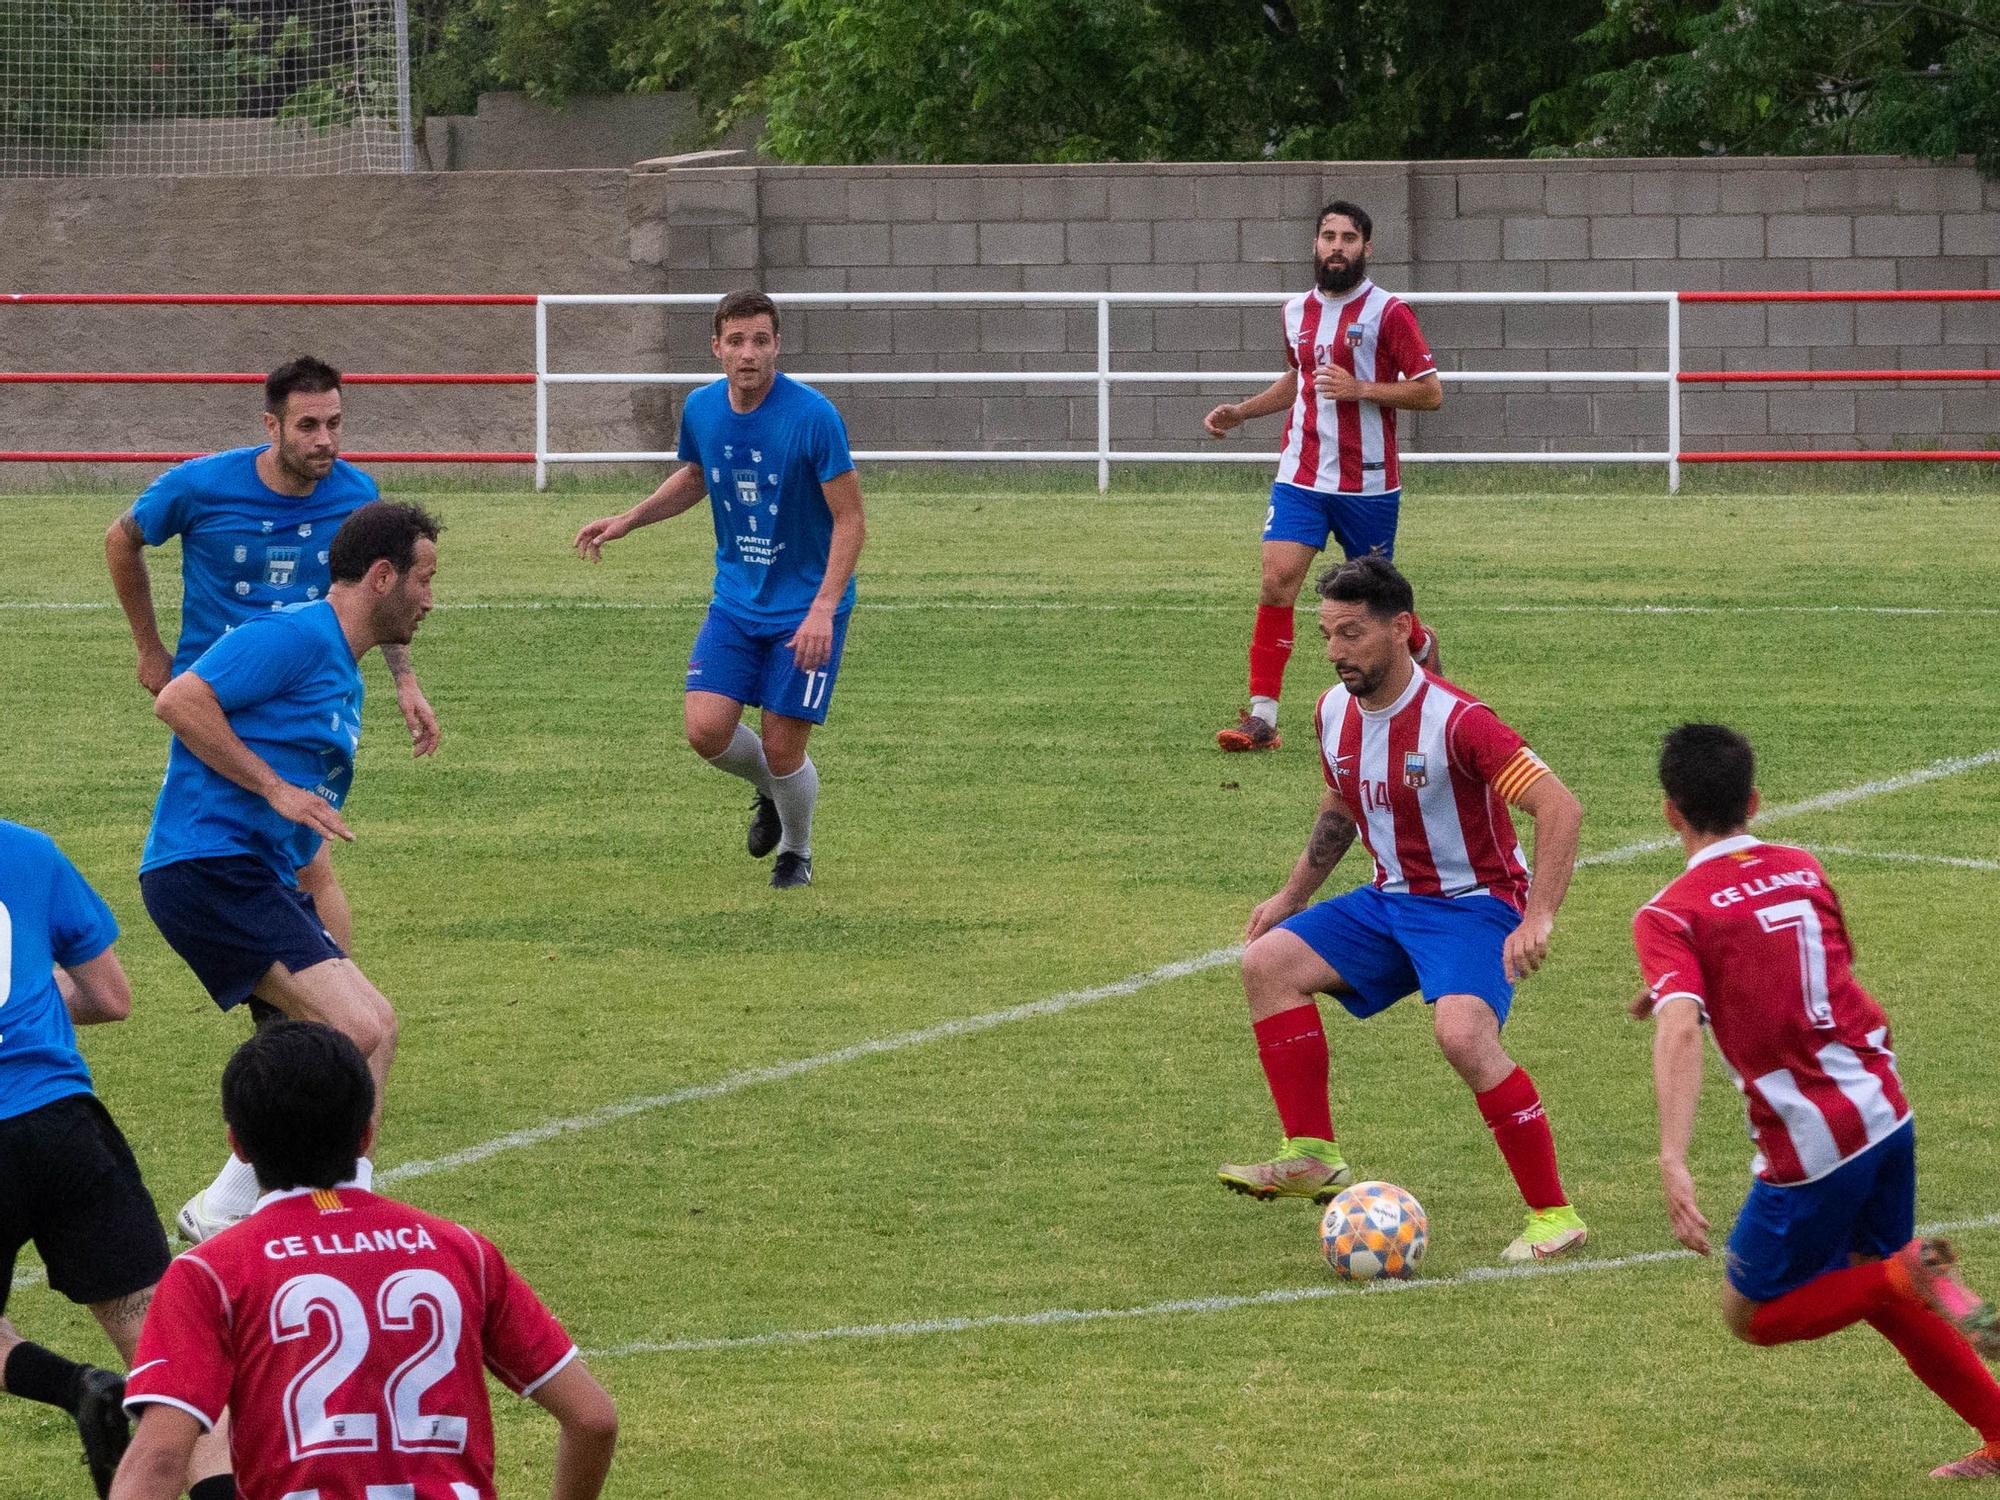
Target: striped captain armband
column 1523, row 769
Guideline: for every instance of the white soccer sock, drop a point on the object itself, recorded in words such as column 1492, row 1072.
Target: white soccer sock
column 1265, row 709
column 745, row 757
column 234, row 1193
column 795, row 795
column 364, row 1174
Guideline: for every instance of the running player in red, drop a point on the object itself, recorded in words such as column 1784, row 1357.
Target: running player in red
column 1425, row 774
column 1337, row 470
column 1750, row 942
column 347, row 1334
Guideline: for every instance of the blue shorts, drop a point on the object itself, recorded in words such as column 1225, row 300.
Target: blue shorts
column 753, row 665
column 230, row 919
column 1787, row 1236
column 1387, row 946
column 1362, row 524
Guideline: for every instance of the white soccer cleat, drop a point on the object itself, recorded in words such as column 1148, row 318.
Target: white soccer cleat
column 196, row 1224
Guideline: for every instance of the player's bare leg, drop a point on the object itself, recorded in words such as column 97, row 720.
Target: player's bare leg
column 717, row 733
column 1284, row 573
column 1281, row 978
column 795, row 790
column 334, row 993
column 318, row 881
column 1468, row 1034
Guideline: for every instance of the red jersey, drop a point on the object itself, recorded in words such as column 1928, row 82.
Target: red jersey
column 1427, row 781
column 346, row 1334
column 1347, row 447
column 1752, row 933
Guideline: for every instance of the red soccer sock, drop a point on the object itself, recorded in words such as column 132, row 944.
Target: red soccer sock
column 1292, row 1047
column 1944, row 1361
column 1513, row 1111
column 1270, row 649
column 1824, row 1305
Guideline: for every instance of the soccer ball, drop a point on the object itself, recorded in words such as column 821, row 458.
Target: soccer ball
column 1372, row 1231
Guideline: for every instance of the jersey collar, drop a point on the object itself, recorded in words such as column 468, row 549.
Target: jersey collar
column 1723, row 846
column 1403, row 699
column 1354, row 293
column 282, row 1194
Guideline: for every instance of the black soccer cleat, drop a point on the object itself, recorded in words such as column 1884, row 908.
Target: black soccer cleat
column 765, row 826
column 792, row 870
column 103, row 1425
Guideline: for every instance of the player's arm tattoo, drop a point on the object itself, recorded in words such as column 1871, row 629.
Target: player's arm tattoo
column 397, row 659
column 1333, row 832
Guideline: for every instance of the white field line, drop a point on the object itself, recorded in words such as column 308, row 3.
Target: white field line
column 1058, row 1316
column 1066, row 606
column 1908, row 857
column 607, row 1114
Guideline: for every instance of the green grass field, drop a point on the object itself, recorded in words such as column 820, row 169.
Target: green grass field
column 1022, row 800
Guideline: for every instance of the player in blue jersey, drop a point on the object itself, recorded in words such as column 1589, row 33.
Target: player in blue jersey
column 771, row 456
column 266, row 723
column 67, row 1179
column 254, row 524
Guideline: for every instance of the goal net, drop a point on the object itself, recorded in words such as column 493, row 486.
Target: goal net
column 143, row 88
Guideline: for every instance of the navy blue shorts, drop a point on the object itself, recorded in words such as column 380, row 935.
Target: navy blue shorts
column 1387, row 946
column 230, row 918
column 753, row 665
column 1362, row 524
column 1787, row 1236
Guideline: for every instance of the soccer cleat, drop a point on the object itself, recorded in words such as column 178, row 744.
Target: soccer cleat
column 1985, row 1464
column 196, row 1223
column 792, row 870
column 1929, row 1265
column 765, row 826
column 103, row 1425
column 1248, row 733
column 1549, row 1232
column 1303, row 1168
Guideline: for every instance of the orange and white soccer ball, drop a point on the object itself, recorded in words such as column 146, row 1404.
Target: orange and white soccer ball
column 1374, row 1231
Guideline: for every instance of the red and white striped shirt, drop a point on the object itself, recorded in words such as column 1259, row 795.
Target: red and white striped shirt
column 1427, row 781
column 1347, row 447
column 1753, row 934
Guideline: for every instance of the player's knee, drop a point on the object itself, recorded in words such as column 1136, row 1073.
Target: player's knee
column 1266, row 968
column 709, row 740
column 783, row 758
column 371, row 1025
column 1280, row 588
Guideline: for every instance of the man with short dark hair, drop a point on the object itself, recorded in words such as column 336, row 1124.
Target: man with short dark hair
column 771, row 456
column 266, row 724
column 1751, row 943
column 1364, row 360
column 325, row 1277
column 67, row 1179
column 1425, row 774
column 254, row 524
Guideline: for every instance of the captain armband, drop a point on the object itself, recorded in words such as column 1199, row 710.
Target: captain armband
column 1523, row 769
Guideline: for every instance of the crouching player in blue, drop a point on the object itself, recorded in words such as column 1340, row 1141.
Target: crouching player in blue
column 771, row 456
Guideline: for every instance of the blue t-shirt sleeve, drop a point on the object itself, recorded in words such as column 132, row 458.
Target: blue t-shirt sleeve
column 689, row 448
column 165, row 508
column 256, row 662
column 80, row 924
column 828, row 444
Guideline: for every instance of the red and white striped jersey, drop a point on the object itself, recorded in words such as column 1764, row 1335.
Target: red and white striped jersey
column 1427, row 781
column 1347, row 447
column 1753, row 934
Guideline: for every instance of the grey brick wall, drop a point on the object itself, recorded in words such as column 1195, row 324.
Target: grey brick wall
column 709, row 223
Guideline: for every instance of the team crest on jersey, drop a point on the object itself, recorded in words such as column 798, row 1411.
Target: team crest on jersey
column 242, row 553
column 1415, row 772
column 746, row 486
column 280, row 563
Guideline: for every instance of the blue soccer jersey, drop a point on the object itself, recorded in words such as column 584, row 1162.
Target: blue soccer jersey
column 245, row 548
column 764, row 471
column 48, row 915
column 292, row 690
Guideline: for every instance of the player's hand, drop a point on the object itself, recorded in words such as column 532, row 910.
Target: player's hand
column 1218, row 422
column 591, row 539
column 1690, row 1228
column 1527, row 947
column 812, row 642
column 156, row 669
column 1336, row 384
column 417, row 714
column 302, row 806
column 1269, row 914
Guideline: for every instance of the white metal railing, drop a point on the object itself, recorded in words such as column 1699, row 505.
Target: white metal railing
column 1104, row 377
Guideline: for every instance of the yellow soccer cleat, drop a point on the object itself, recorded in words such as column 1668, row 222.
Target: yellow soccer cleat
column 1549, row 1232
column 1303, row 1168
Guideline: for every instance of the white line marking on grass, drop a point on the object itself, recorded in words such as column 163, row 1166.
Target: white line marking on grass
column 1060, row 1316
column 1906, row 857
